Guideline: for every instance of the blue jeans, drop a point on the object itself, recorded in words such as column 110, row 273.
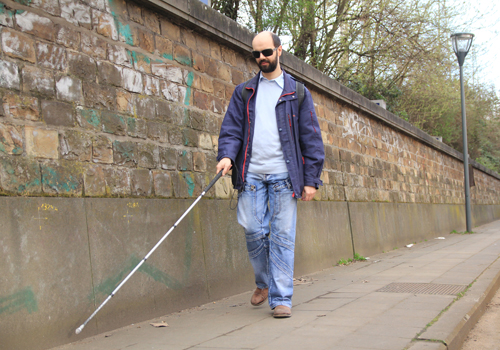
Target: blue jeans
column 267, row 211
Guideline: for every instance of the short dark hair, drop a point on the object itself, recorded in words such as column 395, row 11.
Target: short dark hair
column 276, row 40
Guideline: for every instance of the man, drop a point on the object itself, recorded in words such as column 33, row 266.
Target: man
column 276, row 154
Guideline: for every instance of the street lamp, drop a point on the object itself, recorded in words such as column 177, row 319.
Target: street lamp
column 461, row 45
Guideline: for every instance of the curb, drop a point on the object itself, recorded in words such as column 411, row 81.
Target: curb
column 454, row 325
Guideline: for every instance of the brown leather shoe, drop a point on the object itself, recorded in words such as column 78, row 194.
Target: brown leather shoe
column 259, row 296
column 282, row 311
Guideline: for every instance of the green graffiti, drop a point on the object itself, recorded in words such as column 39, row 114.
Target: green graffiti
column 17, row 150
column 53, row 179
column 91, row 116
column 34, row 183
column 2, row 8
column 190, row 182
column 136, row 57
column 24, row 299
column 167, row 56
column 189, row 83
column 23, row 2
column 184, row 60
column 123, row 30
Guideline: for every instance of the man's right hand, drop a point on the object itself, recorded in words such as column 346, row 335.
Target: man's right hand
column 225, row 165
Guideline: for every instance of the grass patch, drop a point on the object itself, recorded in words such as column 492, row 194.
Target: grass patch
column 357, row 257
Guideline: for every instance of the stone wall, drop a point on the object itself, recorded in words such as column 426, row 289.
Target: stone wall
column 111, row 98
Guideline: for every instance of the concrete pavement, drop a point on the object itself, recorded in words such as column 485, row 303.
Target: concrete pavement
column 424, row 297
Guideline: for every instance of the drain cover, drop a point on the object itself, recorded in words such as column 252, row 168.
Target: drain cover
column 423, row 288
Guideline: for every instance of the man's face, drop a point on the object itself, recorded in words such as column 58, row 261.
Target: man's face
column 267, row 64
column 262, row 42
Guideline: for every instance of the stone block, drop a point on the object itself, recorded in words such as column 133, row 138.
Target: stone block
column 125, row 153
column 94, row 183
column 135, row 12
column 151, row 21
column 164, row 47
column 117, row 8
column 223, row 187
column 75, row 145
column 125, row 102
column 38, row 80
column 93, row 46
column 69, row 89
column 211, row 67
column 172, row 92
column 83, row 66
column 183, row 184
column 187, row 37
column 119, row 55
column 162, row 184
column 21, row 107
column 229, row 56
column 9, row 75
column 76, row 12
column 113, row 123
column 184, row 161
column 104, row 24
column 158, row 132
column 211, row 161
column 198, row 62
column 137, row 128
column 62, row 178
column 51, row 56
column 132, row 80
column 6, row 16
column 237, row 76
column 182, row 55
column 224, row 72
column 205, row 141
column 141, row 62
column 11, row 140
column 31, row 23
column 171, row 113
column 88, row 118
column 68, row 37
column 170, row 30
column 58, row 113
column 141, row 182
column 144, row 39
column 145, row 107
column 108, row 73
column 175, row 136
column 18, row 45
column 229, row 90
column 215, row 51
column 147, row 155
column 189, row 138
column 41, row 143
column 49, row 6
column 219, row 89
column 98, row 96
column 167, row 71
column 168, row 158
column 118, row 182
column 102, row 150
column 202, row 100
column 199, row 161
column 152, row 86
column 20, row 176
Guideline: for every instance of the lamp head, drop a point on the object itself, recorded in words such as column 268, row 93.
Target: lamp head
column 461, row 45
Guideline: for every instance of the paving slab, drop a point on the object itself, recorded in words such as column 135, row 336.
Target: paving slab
column 344, row 307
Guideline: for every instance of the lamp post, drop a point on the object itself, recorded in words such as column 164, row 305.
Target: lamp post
column 461, row 44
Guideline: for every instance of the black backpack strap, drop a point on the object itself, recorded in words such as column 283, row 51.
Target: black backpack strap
column 299, row 87
column 244, row 92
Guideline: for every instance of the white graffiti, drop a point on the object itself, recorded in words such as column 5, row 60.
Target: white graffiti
column 354, row 125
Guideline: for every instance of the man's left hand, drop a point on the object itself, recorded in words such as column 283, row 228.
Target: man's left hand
column 308, row 193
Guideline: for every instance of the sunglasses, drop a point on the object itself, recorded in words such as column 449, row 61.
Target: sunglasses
column 266, row 52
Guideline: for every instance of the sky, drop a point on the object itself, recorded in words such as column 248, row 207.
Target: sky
column 482, row 18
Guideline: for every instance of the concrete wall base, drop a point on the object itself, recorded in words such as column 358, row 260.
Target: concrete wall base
column 61, row 257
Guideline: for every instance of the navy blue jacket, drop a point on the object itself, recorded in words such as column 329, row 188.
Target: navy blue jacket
column 299, row 132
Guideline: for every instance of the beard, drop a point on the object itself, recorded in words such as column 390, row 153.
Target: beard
column 271, row 67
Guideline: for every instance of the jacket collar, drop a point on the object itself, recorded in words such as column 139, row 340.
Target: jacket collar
column 289, row 85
